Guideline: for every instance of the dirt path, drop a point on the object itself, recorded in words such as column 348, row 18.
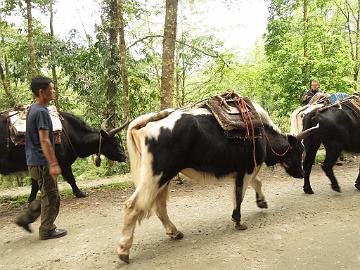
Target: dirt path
column 298, row 231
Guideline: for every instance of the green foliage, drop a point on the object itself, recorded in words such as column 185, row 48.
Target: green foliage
column 328, row 59
column 275, row 74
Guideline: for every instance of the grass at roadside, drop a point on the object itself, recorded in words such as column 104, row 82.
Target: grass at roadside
column 18, row 201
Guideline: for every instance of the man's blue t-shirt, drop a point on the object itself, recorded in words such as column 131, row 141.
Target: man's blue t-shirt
column 37, row 118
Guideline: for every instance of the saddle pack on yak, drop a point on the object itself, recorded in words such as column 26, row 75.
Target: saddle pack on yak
column 352, row 102
column 17, row 124
column 331, row 101
column 236, row 115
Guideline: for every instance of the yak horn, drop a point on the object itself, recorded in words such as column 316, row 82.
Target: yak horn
column 302, row 135
column 116, row 130
column 105, row 122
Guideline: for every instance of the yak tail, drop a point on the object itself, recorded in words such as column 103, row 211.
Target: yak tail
column 146, row 185
column 296, row 125
column 134, row 145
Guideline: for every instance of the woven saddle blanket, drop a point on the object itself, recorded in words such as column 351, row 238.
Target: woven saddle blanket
column 236, row 115
column 17, row 124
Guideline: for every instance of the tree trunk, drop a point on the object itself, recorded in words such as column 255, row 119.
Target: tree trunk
column 167, row 77
column 113, row 64
column 122, row 55
column 31, row 39
column 305, row 37
column 177, row 79
column 357, row 47
column 4, row 75
column 7, row 87
column 53, row 66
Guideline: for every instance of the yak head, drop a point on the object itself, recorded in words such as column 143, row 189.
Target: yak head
column 110, row 143
column 287, row 150
column 292, row 161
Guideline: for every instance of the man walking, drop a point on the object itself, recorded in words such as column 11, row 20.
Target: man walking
column 42, row 163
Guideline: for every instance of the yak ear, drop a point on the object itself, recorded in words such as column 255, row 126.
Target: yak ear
column 292, row 140
column 103, row 133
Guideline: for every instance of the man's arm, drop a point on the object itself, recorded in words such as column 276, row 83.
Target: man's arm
column 306, row 97
column 49, row 153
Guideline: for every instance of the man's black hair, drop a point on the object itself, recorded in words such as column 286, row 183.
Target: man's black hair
column 39, row 82
column 313, row 80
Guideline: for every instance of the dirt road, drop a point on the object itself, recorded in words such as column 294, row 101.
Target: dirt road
column 298, row 231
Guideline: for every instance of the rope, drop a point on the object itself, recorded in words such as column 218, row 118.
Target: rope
column 245, row 113
column 272, row 149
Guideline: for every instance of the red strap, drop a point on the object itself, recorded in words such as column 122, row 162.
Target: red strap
column 245, row 114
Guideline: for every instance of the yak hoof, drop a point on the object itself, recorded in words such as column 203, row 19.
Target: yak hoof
column 80, row 194
column 357, row 185
column 262, row 204
column 336, row 188
column 177, row 236
column 308, row 190
column 124, row 258
column 240, row 227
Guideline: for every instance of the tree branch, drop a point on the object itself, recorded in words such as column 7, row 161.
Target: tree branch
column 216, row 55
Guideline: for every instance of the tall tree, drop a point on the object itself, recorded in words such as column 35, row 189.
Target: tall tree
column 113, row 64
column 167, row 77
column 4, row 71
column 53, row 65
column 31, row 39
column 305, row 42
column 122, row 56
column 353, row 33
column 6, row 85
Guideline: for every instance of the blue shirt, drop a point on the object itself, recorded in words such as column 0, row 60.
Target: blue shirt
column 37, row 118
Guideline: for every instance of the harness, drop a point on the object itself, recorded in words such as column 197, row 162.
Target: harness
column 272, row 149
column 97, row 159
column 245, row 114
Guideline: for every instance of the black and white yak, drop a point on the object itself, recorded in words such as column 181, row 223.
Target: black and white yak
column 193, row 143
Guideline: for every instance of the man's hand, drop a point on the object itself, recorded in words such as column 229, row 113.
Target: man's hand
column 54, row 169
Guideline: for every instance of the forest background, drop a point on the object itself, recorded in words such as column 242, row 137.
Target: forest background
column 129, row 67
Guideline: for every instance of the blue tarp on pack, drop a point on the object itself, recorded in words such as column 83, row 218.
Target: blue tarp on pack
column 337, row 97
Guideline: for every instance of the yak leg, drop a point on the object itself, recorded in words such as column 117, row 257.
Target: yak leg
column 260, row 197
column 357, row 182
column 311, row 147
column 131, row 215
column 67, row 173
column 333, row 151
column 161, row 212
column 34, row 190
column 256, row 184
column 137, row 207
column 241, row 184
